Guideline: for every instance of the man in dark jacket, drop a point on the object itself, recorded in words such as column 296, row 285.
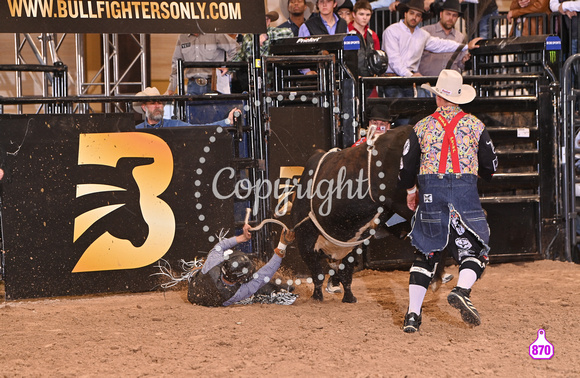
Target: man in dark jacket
column 326, row 22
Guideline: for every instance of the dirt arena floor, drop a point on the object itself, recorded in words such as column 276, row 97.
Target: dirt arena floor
column 157, row 334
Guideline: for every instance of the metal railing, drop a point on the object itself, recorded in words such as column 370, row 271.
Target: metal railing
column 57, row 74
column 571, row 149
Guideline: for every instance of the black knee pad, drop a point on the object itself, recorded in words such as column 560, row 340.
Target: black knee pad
column 476, row 264
column 422, row 271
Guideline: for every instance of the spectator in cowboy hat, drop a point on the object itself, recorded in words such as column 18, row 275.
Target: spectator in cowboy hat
column 404, row 43
column 344, row 10
column 295, row 12
column 432, row 63
column 153, row 110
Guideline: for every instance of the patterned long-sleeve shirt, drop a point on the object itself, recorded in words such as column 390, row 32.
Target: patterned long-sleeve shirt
column 273, row 34
column 423, row 148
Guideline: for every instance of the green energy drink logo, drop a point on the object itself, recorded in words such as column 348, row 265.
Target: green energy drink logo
column 552, row 57
column 151, row 167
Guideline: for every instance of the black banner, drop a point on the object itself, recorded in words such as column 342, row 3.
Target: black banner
column 126, row 16
column 89, row 205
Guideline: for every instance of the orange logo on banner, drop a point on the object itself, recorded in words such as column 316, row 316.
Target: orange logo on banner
column 108, row 252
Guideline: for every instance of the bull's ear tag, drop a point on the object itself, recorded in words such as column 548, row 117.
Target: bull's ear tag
column 541, row 349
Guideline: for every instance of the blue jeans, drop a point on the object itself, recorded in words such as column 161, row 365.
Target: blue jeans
column 194, row 89
column 200, row 112
column 484, row 25
column 423, row 93
column 432, row 219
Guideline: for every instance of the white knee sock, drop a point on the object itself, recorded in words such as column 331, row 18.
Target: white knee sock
column 416, row 296
column 467, row 278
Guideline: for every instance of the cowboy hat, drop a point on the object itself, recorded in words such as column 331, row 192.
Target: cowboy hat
column 380, row 113
column 344, row 4
column 307, row 10
column 272, row 15
column 450, row 86
column 418, row 5
column 451, row 5
column 149, row 91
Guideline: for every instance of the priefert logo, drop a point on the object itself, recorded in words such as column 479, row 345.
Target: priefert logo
column 308, row 40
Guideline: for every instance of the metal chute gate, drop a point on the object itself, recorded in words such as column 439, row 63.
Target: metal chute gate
column 518, row 100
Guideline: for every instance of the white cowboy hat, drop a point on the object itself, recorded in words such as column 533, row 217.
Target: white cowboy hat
column 450, row 86
column 307, row 11
column 149, row 91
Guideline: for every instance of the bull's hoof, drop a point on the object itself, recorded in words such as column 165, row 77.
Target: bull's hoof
column 317, row 295
column 349, row 298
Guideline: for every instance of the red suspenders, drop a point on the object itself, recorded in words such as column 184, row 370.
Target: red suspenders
column 449, row 142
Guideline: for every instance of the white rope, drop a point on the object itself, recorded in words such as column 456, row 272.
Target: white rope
column 299, row 223
column 337, row 242
column 371, row 139
column 316, row 174
column 312, row 214
column 269, row 220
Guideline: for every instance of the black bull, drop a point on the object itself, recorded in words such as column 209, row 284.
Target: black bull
column 345, row 216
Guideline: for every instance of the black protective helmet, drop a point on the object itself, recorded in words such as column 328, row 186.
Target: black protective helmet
column 378, row 62
column 237, row 267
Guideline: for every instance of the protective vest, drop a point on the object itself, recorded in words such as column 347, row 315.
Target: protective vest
column 366, row 47
column 316, row 26
column 209, row 289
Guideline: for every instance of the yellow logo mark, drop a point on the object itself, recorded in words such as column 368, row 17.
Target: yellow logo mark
column 108, row 252
column 287, row 187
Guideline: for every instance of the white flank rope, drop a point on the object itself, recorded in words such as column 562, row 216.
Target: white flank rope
column 312, row 215
column 269, row 220
column 371, row 139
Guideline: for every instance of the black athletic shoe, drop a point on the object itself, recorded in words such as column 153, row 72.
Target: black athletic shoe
column 459, row 298
column 412, row 322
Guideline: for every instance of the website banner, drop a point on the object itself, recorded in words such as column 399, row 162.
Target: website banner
column 126, row 16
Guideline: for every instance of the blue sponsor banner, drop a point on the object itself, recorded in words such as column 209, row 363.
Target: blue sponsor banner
column 553, row 43
column 351, row 42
